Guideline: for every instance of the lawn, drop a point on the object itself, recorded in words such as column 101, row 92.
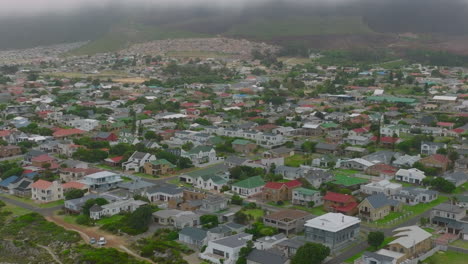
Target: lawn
column 71, row 219
column 443, row 257
column 412, row 210
column 108, row 220
column 315, row 210
column 460, row 244
column 296, row 160
column 106, row 167
column 346, row 172
column 461, row 189
column 176, row 181
column 15, row 210
column 31, row 202
column 254, row 213
column 144, row 175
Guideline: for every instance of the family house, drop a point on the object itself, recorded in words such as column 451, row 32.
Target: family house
column 243, row 146
column 377, row 206
column 279, row 191
column 96, row 212
column 46, row 191
column 306, row 197
column 413, row 196
column 225, row 250
column 342, row 203
column 449, row 216
column 288, row 221
column 137, row 161
column 159, row 167
column 248, row 187
column 431, row 148
column 437, row 161
column 102, row 180
column 200, row 155
column 410, row 175
column 9, row 151
column 384, row 187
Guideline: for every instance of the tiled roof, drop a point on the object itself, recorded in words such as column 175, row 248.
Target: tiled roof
column 252, row 182
column 68, row 132
column 41, row 184
column 338, row 197
column 73, row 185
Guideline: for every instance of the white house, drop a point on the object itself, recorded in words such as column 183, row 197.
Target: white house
column 248, row 187
column 176, row 218
column 413, row 196
column 46, row 191
column 356, row 164
column 225, row 250
column 137, row 161
column 84, row 124
column 210, row 182
column 410, row 175
column 102, row 180
column 200, row 155
column 97, row 212
column 384, row 186
column 431, row 148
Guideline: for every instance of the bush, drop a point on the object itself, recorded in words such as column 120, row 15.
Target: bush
column 83, row 220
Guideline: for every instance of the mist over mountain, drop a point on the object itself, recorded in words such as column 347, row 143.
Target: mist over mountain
column 89, row 22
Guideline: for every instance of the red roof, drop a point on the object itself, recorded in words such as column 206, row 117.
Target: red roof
column 73, row 185
column 42, row 158
column 4, row 133
column 338, row 197
column 347, row 208
column 360, row 130
column 68, row 132
column 41, row 184
column 445, row 124
column 293, row 183
column 458, row 130
column 440, row 158
column 117, row 159
column 274, row 185
column 386, row 139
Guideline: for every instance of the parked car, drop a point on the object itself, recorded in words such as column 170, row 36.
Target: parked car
column 92, row 241
column 102, row 241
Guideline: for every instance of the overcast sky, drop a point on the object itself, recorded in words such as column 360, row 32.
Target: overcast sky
column 40, row 6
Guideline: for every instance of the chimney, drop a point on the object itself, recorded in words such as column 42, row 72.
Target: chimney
column 342, row 218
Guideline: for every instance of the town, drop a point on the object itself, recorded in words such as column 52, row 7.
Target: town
column 222, row 151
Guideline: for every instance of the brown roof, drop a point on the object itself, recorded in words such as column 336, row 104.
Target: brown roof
column 287, row 213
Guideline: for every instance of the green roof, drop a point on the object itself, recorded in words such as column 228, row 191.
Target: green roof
column 207, row 171
column 348, row 181
column 329, row 125
column 214, row 178
column 199, row 149
column 241, row 142
column 216, row 140
column 305, row 191
column 391, row 99
column 163, row 162
column 250, row 183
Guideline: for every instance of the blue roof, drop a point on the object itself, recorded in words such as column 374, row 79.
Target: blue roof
column 31, row 175
column 8, row 180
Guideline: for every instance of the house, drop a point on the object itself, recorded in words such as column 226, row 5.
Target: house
column 68, row 133
column 176, row 218
column 356, row 164
column 337, row 202
column 382, row 169
column 449, row 216
column 74, row 206
column 290, row 246
column 73, row 174
column 9, row 151
column 6, row 182
column 214, row 203
column 136, row 186
column 114, row 162
column 163, row 193
column 193, row 236
column 306, row 197
column 106, row 136
column 137, row 161
column 317, row 177
column 279, row 191
column 458, row 178
column 46, row 191
column 431, row 148
column 234, row 161
column 220, row 170
column 326, row 148
column 377, row 206
column 358, row 140
column 281, row 152
column 288, row 221
column 406, row 161
column 410, row 242
column 410, row 175
column 96, row 212
column 21, row 187
column 268, row 242
column 333, row 230
column 384, row 187
column 414, row 196
column 102, row 180
column 225, row 250
column 248, row 187
column 243, row 146
column 374, row 258
column 266, row 257
column 200, row 155
column 73, row 185
column 290, row 173
column 159, row 167
column 437, row 161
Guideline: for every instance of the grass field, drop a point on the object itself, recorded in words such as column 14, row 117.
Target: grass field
column 460, row 244
column 254, row 213
column 108, row 220
column 315, row 210
column 300, row 26
column 196, row 54
column 451, row 257
column 370, row 248
column 31, row 202
column 296, row 160
column 103, row 74
column 15, row 210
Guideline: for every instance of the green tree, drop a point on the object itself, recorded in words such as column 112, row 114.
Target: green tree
column 209, row 221
column 236, row 199
column 311, row 253
column 74, row 193
column 375, row 239
column 244, row 252
column 139, row 220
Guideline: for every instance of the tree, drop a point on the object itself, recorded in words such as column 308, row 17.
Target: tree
column 241, row 218
column 139, row 220
column 311, row 253
column 308, row 146
column 209, row 221
column 442, row 185
column 74, row 193
column 244, row 252
column 375, row 239
column 88, row 204
column 150, row 135
column 187, row 146
column 236, row 199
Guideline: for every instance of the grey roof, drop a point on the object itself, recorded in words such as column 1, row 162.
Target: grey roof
column 447, row 207
column 234, row 241
column 95, row 208
column 138, row 155
column 235, row 160
column 376, row 256
column 457, row 176
column 81, row 201
column 221, row 229
column 326, row 146
column 168, row 189
column 266, row 257
column 234, row 226
column 135, row 185
column 295, row 242
column 379, row 200
column 194, row 233
column 384, row 156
